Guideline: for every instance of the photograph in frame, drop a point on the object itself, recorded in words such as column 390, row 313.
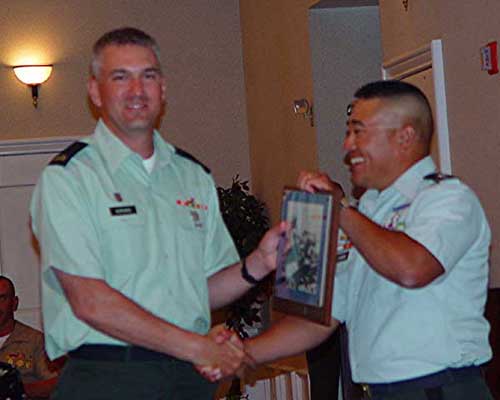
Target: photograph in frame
column 304, row 276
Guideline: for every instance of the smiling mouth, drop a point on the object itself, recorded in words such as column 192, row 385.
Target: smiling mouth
column 137, row 106
column 356, row 160
column 351, row 161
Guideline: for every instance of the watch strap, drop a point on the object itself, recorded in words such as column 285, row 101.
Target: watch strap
column 246, row 275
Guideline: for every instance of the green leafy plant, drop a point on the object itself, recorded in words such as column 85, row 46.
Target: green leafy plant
column 247, row 221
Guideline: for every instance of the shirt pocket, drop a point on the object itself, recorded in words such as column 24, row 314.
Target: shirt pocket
column 124, row 247
column 185, row 234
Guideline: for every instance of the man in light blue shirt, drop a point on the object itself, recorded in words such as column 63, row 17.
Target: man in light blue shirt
column 413, row 287
column 133, row 247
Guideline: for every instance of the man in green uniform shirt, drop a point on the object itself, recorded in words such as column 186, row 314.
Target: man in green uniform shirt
column 133, row 248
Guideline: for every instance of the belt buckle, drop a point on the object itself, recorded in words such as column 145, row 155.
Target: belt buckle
column 366, row 390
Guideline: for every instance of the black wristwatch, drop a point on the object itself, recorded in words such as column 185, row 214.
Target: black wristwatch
column 246, row 275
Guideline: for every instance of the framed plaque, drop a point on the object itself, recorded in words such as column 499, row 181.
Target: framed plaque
column 307, row 256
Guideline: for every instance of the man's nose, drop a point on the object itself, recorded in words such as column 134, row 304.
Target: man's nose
column 349, row 142
column 136, row 86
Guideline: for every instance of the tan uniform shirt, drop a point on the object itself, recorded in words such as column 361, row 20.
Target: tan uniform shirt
column 24, row 349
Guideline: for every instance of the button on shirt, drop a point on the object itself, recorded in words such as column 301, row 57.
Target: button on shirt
column 155, row 238
column 397, row 333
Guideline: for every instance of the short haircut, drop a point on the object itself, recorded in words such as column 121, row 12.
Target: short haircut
column 9, row 283
column 121, row 37
column 394, row 90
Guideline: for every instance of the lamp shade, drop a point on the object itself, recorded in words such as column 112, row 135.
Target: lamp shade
column 33, row 74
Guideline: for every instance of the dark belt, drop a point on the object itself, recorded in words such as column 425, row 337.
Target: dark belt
column 104, row 352
column 435, row 380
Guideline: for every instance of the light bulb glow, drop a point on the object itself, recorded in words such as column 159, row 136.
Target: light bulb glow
column 33, row 74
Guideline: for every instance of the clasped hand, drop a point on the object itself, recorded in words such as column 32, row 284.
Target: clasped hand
column 225, row 355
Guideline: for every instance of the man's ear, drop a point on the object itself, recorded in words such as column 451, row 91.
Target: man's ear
column 406, row 136
column 16, row 303
column 94, row 93
column 163, row 84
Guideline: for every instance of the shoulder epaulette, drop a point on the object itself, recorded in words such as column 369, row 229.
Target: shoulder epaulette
column 185, row 154
column 67, row 154
column 438, row 177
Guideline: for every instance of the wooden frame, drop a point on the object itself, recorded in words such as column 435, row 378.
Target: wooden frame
column 307, row 257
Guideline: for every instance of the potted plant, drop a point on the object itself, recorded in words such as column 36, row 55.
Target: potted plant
column 247, row 221
column 246, row 218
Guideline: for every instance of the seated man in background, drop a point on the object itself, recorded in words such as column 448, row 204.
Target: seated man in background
column 23, row 347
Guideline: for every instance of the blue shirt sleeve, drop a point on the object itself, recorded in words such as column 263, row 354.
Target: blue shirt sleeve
column 446, row 219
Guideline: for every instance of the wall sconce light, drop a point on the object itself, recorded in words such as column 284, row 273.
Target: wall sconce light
column 304, row 108
column 33, row 76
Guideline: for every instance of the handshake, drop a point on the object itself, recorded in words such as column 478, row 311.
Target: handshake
column 223, row 355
